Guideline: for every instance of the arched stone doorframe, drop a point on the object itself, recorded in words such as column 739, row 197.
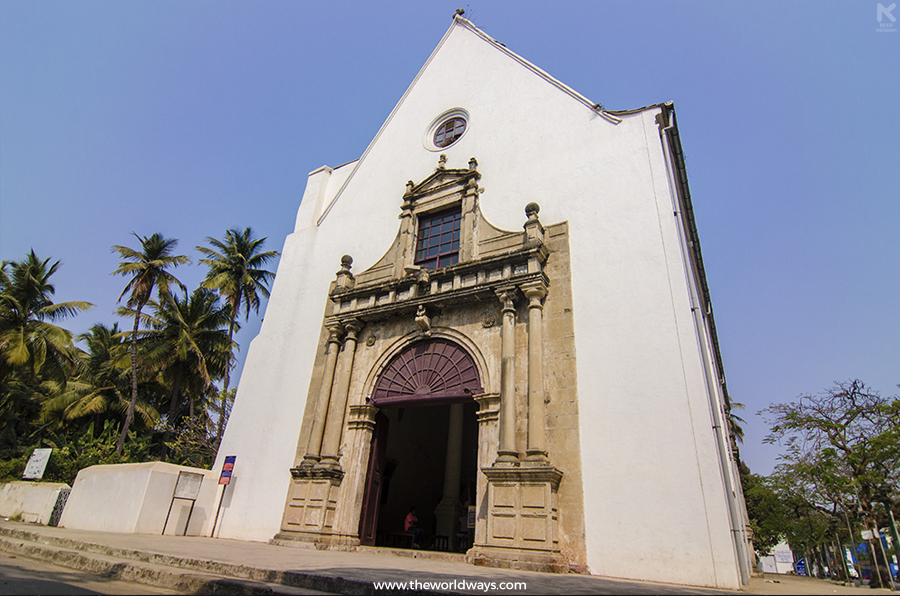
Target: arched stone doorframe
column 437, row 332
column 362, row 416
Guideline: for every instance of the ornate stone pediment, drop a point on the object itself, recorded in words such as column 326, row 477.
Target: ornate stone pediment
column 489, row 258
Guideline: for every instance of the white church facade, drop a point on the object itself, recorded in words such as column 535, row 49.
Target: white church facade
column 497, row 314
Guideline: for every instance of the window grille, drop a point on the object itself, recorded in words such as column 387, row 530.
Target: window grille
column 437, row 243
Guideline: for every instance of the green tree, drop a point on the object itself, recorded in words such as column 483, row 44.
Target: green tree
column 97, row 395
column 842, row 445
column 36, row 356
column 147, row 270
column 850, row 431
column 190, row 346
column 236, row 271
column 764, row 508
column 735, row 422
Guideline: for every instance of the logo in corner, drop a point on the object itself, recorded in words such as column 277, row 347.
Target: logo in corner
column 886, row 18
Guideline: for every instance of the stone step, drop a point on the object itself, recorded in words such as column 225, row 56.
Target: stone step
column 182, row 574
column 151, row 574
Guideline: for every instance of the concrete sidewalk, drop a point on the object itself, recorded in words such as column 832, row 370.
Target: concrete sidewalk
column 205, row 565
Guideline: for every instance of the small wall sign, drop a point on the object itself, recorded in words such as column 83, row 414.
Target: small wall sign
column 225, row 478
column 37, row 463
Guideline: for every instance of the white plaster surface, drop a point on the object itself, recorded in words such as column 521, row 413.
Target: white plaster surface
column 135, row 498
column 32, row 501
column 654, row 489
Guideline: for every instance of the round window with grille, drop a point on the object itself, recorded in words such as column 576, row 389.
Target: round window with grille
column 448, row 132
column 447, row 129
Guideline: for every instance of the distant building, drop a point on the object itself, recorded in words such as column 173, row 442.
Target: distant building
column 779, row 560
column 524, row 328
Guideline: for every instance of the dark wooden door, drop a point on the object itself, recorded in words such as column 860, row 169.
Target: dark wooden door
column 368, row 520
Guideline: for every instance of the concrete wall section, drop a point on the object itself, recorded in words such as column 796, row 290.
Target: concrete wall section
column 32, row 502
column 135, row 498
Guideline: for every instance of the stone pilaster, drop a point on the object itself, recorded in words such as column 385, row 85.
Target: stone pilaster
column 360, row 428
column 488, row 433
column 507, row 455
column 314, row 447
column 536, row 452
column 447, row 511
column 334, row 425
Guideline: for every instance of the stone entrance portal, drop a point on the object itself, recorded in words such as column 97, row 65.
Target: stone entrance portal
column 425, row 447
column 428, row 390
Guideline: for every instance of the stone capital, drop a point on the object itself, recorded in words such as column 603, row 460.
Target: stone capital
column 362, row 417
column 335, row 331
column 507, row 296
column 535, row 291
column 352, row 327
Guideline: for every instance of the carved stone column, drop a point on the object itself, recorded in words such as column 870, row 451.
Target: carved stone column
column 488, row 433
column 334, row 426
column 360, row 427
column 536, row 452
column 314, row 447
column 507, row 455
column 447, row 511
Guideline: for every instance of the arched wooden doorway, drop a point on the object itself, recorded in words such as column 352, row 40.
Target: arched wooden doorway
column 433, row 372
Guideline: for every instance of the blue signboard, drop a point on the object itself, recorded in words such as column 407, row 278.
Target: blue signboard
column 225, row 478
column 801, row 567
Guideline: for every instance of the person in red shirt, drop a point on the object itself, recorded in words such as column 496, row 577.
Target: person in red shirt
column 411, row 525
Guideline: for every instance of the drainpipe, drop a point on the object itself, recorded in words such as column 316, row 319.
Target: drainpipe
column 719, row 426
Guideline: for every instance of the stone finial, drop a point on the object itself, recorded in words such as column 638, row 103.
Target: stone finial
column 409, row 186
column 534, row 231
column 473, row 164
column 344, row 277
column 442, row 161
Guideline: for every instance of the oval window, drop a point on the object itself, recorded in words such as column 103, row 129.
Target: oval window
column 449, row 131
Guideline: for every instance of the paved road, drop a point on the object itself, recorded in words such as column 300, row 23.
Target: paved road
column 21, row 575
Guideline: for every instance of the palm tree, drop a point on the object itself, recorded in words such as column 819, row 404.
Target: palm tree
column 735, row 421
column 147, row 269
column 190, row 345
column 98, row 392
column 236, row 273
column 32, row 348
column 26, row 336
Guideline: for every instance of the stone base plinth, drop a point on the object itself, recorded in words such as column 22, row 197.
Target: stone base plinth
column 312, row 501
column 517, row 558
column 523, row 519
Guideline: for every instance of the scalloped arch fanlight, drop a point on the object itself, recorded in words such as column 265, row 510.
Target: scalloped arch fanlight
column 428, row 372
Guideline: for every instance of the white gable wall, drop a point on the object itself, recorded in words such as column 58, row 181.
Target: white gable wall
column 654, row 495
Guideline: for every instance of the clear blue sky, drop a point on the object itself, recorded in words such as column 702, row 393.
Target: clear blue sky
column 188, row 118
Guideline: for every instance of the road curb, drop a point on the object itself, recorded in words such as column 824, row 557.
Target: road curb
column 168, row 571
